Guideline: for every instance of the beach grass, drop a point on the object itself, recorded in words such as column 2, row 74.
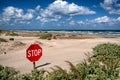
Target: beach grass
column 11, row 33
column 3, row 40
column 46, row 36
column 88, row 70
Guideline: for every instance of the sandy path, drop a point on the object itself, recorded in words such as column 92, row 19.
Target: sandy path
column 55, row 52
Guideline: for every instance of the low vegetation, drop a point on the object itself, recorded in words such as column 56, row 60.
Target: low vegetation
column 3, row 40
column 11, row 33
column 8, row 33
column 46, row 36
column 103, row 65
column 1, row 31
column 8, row 73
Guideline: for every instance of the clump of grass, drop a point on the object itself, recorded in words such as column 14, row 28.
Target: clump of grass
column 8, row 73
column 3, row 40
column 54, row 37
column 64, row 72
column 58, row 35
column 109, row 55
column 46, row 36
column 11, row 33
column 1, row 31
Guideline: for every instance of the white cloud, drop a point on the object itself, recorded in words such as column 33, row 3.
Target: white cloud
column 16, row 15
column 118, row 19
column 60, row 8
column 117, row 5
column 49, row 19
column 105, row 20
column 63, row 7
column 47, row 16
column 11, row 12
column 38, row 18
column 102, row 19
column 72, row 23
column 54, row 12
column 81, row 22
column 109, row 1
column 29, row 15
column 37, row 8
column 115, row 11
column 112, row 6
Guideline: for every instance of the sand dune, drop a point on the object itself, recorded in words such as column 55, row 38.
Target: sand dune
column 55, row 52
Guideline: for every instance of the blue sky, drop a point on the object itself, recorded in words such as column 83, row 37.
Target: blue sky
column 60, row 14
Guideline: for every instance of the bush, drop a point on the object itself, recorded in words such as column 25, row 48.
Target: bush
column 92, row 71
column 11, row 33
column 34, row 75
column 55, row 75
column 8, row 73
column 3, row 40
column 105, row 51
column 109, row 55
column 1, row 31
column 46, row 36
column 103, row 65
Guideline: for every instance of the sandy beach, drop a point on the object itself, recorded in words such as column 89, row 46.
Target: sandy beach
column 55, row 51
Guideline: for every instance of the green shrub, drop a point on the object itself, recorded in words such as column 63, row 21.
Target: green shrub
column 105, row 51
column 46, row 36
column 8, row 73
column 49, row 38
column 11, row 33
column 55, row 75
column 3, row 40
column 103, row 65
column 34, row 75
column 109, row 55
column 1, row 31
column 25, row 77
column 92, row 71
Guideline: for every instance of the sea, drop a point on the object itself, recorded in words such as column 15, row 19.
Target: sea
column 94, row 32
column 110, row 33
column 103, row 33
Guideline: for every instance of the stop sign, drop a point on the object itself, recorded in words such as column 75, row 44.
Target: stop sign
column 34, row 52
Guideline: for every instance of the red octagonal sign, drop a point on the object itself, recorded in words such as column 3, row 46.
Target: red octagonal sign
column 34, row 52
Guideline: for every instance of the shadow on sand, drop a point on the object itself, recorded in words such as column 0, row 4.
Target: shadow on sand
column 42, row 65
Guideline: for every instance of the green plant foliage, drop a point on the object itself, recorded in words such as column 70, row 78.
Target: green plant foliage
column 56, row 75
column 34, row 75
column 8, row 73
column 38, row 74
column 75, row 72
column 3, row 40
column 103, row 65
column 106, row 52
column 25, row 77
column 1, row 31
column 109, row 55
column 91, row 71
column 11, row 33
column 46, row 36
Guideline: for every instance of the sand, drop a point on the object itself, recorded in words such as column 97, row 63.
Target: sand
column 55, row 51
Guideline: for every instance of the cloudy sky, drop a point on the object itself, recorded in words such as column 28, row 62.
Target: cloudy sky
column 60, row 14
